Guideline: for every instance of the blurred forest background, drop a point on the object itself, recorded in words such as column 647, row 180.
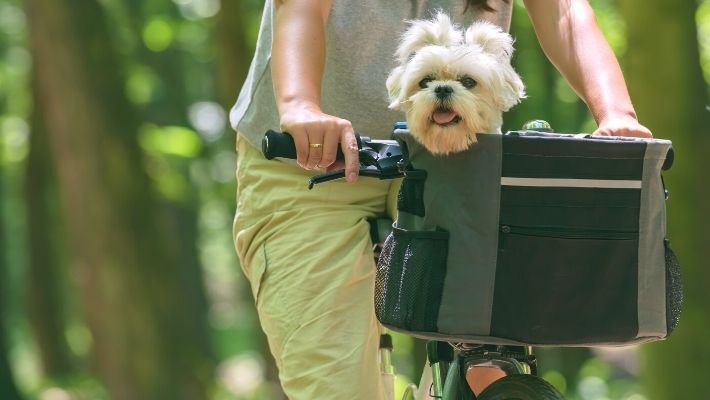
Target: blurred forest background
column 118, row 278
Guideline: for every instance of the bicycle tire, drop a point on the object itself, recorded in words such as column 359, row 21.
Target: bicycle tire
column 520, row 387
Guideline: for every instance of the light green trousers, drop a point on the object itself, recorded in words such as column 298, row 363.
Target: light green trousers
column 308, row 257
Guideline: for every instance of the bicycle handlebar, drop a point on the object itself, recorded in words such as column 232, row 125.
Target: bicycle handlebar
column 281, row 144
column 378, row 158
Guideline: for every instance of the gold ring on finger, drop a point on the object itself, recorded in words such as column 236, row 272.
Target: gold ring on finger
column 316, row 145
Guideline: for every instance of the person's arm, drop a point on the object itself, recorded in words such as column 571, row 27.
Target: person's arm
column 297, row 63
column 571, row 39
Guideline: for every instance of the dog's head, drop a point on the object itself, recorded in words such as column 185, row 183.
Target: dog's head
column 452, row 83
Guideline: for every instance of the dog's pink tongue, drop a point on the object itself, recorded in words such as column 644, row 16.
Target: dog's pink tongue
column 443, row 117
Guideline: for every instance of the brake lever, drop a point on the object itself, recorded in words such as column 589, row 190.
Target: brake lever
column 330, row 176
column 369, row 171
column 378, row 159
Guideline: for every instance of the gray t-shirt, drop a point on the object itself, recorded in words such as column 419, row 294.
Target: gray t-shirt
column 361, row 38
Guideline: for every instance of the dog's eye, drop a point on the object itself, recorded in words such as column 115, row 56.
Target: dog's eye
column 424, row 82
column 468, row 82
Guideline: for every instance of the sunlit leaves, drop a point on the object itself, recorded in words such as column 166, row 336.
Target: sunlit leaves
column 170, row 140
column 611, row 23
column 556, row 379
column 158, row 34
column 162, row 146
column 140, row 84
column 79, row 338
column 703, row 20
column 14, row 139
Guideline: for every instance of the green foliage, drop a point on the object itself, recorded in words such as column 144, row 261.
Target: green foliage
column 158, row 33
column 81, row 387
column 611, row 24
column 14, row 134
column 168, row 58
column 556, row 379
column 702, row 19
column 141, row 82
column 251, row 14
column 170, row 140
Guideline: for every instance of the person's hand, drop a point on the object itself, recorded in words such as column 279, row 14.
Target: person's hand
column 317, row 136
column 622, row 126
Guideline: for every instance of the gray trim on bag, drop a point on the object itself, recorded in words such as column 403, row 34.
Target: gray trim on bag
column 652, row 223
column 452, row 338
column 463, row 190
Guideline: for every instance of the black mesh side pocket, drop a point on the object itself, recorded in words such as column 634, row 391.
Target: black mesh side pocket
column 674, row 289
column 411, row 195
column 410, row 279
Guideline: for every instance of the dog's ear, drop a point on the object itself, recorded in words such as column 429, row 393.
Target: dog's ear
column 394, row 88
column 438, row 31
column 491, row 38
column 508, row 89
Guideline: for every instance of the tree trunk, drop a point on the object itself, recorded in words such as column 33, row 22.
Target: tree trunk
column 171, row 109
column 44, row 276
column 233, row 52
column 143, row 344
column 669, row 92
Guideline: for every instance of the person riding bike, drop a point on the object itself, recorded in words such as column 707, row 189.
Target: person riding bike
column 319, row 70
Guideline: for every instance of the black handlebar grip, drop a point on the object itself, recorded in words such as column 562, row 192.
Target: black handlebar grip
column 280, row 144
column 668, row 162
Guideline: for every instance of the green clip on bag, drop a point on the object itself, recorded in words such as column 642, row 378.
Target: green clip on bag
column 532, row 238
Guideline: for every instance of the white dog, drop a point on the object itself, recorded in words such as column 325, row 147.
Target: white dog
column 453, row 84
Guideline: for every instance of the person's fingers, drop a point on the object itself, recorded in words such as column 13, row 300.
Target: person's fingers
column 300, row 140
column 331, row 141
column 600, row 132
column 636, row 130
column 317, row 137
column 336, row 166
column 315, row 146
column 642, row 131
column 348, row 144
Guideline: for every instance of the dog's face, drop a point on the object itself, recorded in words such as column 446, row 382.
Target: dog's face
column 453, row 84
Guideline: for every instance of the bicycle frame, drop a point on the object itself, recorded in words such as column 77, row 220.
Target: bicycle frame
column 444, row 376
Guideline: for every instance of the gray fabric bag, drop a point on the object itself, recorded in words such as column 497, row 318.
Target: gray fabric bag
column 532, row 238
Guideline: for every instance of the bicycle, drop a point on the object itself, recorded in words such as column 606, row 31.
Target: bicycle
column 445, row 376
column 450, row 361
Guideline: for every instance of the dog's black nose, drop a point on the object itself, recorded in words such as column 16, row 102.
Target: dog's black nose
column 443, row 91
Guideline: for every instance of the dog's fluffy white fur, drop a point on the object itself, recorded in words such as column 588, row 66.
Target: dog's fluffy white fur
column 453, row 83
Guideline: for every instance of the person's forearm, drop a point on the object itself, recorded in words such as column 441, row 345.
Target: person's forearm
column 298, row 51
column 297, row 64
column 571, row 39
